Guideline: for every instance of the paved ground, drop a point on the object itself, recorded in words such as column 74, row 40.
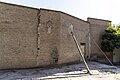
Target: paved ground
column 70, row 72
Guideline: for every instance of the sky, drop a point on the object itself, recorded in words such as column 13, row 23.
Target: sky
column 101, row 9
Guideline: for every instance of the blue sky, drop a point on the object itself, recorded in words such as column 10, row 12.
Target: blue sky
column 101, row 9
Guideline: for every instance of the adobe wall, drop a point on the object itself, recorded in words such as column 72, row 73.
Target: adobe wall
column 68, row 49
column 116, row 55
column 18, row 38
column 30, row 37
column 58, row 47
column 25, row 41
column 35, row 38
column 97, row 27
column 48, row 39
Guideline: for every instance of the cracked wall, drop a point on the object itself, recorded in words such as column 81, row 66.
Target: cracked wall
column 31, row 37
column 38, row 37
column 48, row 37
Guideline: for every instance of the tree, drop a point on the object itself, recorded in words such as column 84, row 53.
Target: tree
column 111, row 39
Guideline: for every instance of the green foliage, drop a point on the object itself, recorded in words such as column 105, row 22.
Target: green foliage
column 110, row 29
column 108, row 36
column 111, row 39
column 118, row 30
column 107, row 46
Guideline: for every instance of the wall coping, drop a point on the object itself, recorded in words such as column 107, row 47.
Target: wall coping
column 99, row 19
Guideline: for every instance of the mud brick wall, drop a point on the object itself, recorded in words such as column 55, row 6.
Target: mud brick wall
column 48, row 39
column 18, row 38
column 31, row 37
column 97, row 27
column 57, row 46
column 68, row 49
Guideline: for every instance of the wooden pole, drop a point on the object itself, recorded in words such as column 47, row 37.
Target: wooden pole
column 80, row 52
column 103, row 53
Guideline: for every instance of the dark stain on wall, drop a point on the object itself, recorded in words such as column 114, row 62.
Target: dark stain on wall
column 54, row 56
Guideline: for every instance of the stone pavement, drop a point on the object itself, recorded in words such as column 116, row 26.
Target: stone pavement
column 69, row 72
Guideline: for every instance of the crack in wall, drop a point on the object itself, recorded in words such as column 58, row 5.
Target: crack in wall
column 38, row 40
